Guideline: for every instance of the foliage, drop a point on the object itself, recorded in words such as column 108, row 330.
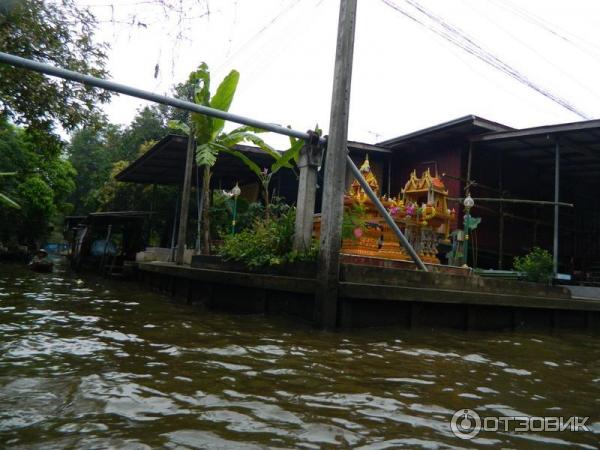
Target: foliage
column 149, row 124
column 208, row 131
column 267, row 242
column 94, row 151
column 247, row 214
column 60, row 33
column 5, row 199
column 221, row 214
column 353, row 221
column 41, row 184
column 281, row 160
column 536, row 265
column 91, row 153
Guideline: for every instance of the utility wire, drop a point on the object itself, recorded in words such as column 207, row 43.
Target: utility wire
column 592, row 49
column 459, row 38
column 261, row 30
column 474, row 6
column 491, row 59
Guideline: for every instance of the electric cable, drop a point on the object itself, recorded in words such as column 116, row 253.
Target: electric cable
column 459, row 38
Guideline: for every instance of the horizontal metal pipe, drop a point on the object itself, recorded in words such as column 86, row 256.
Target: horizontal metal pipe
column 385, row 213
column 146, row 95
column 514, row 200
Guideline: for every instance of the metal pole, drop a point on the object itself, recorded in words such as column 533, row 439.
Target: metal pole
column 146, row 95
column 556, row 207
column 501, row 211
column 513, row 200
column 389, row 176
column 386, row 215
column 335, row 169
column 469, row 164
column 174, row 230
column 234, row 214
column 466, row 236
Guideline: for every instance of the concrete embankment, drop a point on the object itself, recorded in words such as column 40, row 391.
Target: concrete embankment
column 376, row 296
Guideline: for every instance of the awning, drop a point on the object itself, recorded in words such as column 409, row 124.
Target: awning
column 579, row 147
column 164, row 163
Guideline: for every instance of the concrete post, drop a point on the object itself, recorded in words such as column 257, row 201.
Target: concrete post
column 185, row 200
column 335, row 170
column 308, row 163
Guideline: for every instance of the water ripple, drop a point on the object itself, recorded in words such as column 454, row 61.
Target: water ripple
column 89, row 363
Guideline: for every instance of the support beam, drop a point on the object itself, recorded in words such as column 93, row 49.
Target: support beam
column 89, row 80
column 174, row 228
column 556, row 206
column 469, row 165
column 185, row 198
column 335, row 170
column 308, row 163
column 501, row 219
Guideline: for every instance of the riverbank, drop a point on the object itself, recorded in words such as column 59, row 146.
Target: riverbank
column 378, row 296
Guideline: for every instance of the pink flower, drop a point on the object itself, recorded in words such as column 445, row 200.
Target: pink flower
column 394, row 210
column 358, row 233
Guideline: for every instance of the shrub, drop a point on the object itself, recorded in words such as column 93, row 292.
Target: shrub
column 353, row 223
column 268, row 242
column 536, row 265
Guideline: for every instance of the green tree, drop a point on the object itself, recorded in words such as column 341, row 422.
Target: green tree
column 149, row 124
column 61, row 33
column 5, row 199
column 41, row 184
column 94, row 151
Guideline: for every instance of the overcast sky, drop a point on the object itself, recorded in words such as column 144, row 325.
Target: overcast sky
column 405, row 76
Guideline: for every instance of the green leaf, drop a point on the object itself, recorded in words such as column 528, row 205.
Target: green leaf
column 203, row 123
column 248, row 128
column 474, row 222
column 206, row 154
column 200, row 78
column 249, row 163
column 9, row 202
column 292, row 153
column 178, row 125
column 223, row 98
column 7, row 174
column 236, row 137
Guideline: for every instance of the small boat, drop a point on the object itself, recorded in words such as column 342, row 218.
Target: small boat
column 41, row 262
column 41, row 266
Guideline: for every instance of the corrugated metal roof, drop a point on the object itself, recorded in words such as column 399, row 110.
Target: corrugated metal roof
column 579, row 147
column 460, row 128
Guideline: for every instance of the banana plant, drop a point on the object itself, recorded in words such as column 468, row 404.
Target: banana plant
column 209, row 135
column 265, row 175
column 5, row 199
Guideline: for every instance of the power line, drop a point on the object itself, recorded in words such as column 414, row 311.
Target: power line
column 459, row 38
column 474, row 6
column 551, row 28
column 261, row 30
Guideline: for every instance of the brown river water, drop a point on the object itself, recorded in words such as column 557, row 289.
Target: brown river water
column 87, row 363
